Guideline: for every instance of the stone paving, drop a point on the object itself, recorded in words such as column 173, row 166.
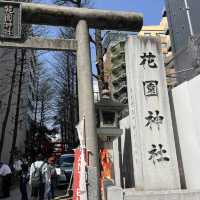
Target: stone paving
column 16, row 195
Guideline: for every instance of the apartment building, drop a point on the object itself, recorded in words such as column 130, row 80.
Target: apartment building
column 162, row 31
column 114, row 58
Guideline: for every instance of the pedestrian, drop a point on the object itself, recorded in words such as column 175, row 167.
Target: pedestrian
column 38, row 178
column 5, row 173
column 52, row 177
column 24, row 178
column 17, row 166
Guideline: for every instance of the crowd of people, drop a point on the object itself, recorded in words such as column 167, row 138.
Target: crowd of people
column 40, row 175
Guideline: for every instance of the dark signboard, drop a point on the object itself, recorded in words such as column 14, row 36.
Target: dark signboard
column 10, row 20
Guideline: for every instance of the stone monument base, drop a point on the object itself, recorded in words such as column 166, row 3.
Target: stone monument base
column 163, row 195
column 117, row 193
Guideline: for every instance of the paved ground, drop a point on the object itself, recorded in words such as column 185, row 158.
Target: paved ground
column 15, row 193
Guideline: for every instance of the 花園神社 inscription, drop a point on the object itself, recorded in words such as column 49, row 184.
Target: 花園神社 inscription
column 10, row 20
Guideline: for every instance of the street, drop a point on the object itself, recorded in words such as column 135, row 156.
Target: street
column 15, row 193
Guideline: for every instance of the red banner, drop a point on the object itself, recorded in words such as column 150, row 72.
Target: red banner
column 76, row 181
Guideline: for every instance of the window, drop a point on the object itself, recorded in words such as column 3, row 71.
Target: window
column 164, row 45
column 147, row 34
column 108, row 118
column 160, row 34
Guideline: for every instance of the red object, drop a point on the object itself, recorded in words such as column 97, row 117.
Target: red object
column 106, row 167
column 76, row 189
column 77, row 169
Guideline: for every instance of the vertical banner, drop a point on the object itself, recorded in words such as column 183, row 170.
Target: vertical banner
column 76, row 178
column 154, row 153
column 79, row 184
column 79, row 179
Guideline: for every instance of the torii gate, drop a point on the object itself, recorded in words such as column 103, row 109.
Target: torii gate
column 81, row 18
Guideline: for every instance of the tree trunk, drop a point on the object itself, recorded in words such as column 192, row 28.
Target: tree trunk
column 65, row 127
column 42, row 113
column 4, row 124
column 15, row 131
column 36, row 101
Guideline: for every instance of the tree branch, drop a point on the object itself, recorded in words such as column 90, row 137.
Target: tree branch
column 92, row 40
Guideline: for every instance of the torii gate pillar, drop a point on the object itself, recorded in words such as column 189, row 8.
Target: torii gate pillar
column 85, row 90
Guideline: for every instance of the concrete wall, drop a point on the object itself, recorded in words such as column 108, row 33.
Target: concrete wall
column 117, row 193
column 163, row 195
column 186, row 99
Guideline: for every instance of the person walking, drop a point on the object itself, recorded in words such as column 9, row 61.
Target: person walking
column 5, row 173
column 24, row 178
column 52, row 176
column 38, row 178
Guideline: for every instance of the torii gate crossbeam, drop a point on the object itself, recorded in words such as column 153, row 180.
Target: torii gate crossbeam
column 33, row 13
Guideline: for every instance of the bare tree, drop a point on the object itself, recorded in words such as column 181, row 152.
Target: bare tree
column 66, row 95
column 97, row 41
column 16, row 77
column 8, row 107
column 66, row 83
column 99, row 60
column 15, row 130
column 45, row 104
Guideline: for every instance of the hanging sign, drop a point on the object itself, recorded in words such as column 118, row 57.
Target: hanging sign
column 10, row 20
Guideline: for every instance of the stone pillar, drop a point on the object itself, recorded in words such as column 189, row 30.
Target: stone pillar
column 154, row 153
column 85, row 90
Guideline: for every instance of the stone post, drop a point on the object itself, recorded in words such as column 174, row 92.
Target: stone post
column 154, row 153
column 85, row 90
column 86, row 102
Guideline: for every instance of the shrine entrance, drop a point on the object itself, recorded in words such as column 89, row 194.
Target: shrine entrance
column 14, row 14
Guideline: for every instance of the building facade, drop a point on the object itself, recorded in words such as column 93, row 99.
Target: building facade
column 184, row 31
column 162, row 31
column 114, row 58
column 114, row 66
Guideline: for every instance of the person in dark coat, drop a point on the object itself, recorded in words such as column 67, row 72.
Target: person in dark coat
column 24, row 178
column 5, row 173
